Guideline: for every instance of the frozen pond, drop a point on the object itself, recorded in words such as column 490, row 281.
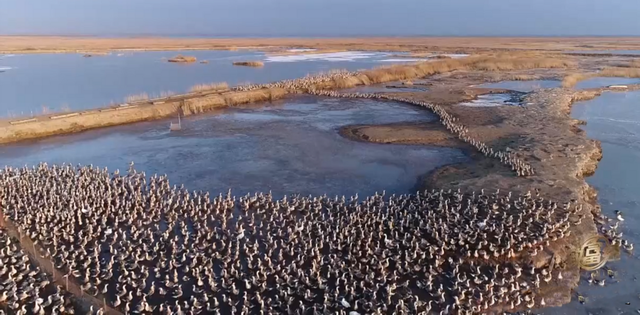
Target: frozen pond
column 614, row 119
column 289, row 147
column 29, row 83
column 490, row 100
column 522, row 86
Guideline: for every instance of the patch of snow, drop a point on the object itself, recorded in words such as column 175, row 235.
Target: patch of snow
column 491, row 100
column 456, row 56
column 337, row 56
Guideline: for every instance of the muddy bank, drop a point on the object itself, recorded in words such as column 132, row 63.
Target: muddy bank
column 424, row 133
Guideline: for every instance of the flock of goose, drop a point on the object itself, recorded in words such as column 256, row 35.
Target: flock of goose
column 305, row 83
column 518, row 165
column 146, row 246
column 25, row 289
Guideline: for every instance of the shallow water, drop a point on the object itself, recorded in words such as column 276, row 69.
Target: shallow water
column 614, row 119
column 289, row 147
column 70, row 81
column 522, row 86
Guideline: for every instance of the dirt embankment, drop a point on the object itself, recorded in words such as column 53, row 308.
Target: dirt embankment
column 80, row 121
column 426, row 133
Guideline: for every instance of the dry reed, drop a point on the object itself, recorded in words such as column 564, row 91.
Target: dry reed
column 181, row 58
column 164, row 94
column 620, row 72
column 249, row 63
column 215, row 86
column 136, row 98
column 635, row 63
column 480, row 63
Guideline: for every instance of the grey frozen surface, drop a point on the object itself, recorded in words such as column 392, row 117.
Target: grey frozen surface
column 289, row 147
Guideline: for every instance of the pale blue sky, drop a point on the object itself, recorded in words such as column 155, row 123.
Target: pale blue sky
column 320, row 17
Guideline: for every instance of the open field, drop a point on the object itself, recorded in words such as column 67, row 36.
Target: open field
column 57, row 44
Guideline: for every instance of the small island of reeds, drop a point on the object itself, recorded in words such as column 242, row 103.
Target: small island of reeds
column 249, row 63
column 181, row 58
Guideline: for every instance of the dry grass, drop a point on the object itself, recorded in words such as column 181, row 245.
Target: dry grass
column 619, row 72
column 215, row 86
column 572, row 79
column 249, row 63
column 502, row 62
column 480, row 63
column 164, row 94
column 635, row 63
column 136, row 98
column 42, row 44
column 181, row 58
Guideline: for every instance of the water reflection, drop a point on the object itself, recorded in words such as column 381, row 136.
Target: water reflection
column 287, row 148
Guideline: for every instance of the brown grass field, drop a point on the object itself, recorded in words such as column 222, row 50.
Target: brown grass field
column 620, row 72
column 214, row 86
column 53, row 44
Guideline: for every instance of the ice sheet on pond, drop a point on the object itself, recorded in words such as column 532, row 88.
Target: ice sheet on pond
column 491, row 100
column 335, row 56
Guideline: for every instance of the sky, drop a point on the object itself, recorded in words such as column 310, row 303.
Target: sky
column 320, row 18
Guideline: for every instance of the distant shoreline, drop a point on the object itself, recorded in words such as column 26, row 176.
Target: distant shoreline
column 29, row 44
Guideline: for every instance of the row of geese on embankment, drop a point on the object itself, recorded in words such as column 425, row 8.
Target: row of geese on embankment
column 304, row 83
column 149, row 247
column 519, row 166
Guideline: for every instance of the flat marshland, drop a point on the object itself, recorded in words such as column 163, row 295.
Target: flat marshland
column 52, row 44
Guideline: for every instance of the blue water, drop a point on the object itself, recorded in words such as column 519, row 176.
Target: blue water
column 59, row 81
column 289, row 147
